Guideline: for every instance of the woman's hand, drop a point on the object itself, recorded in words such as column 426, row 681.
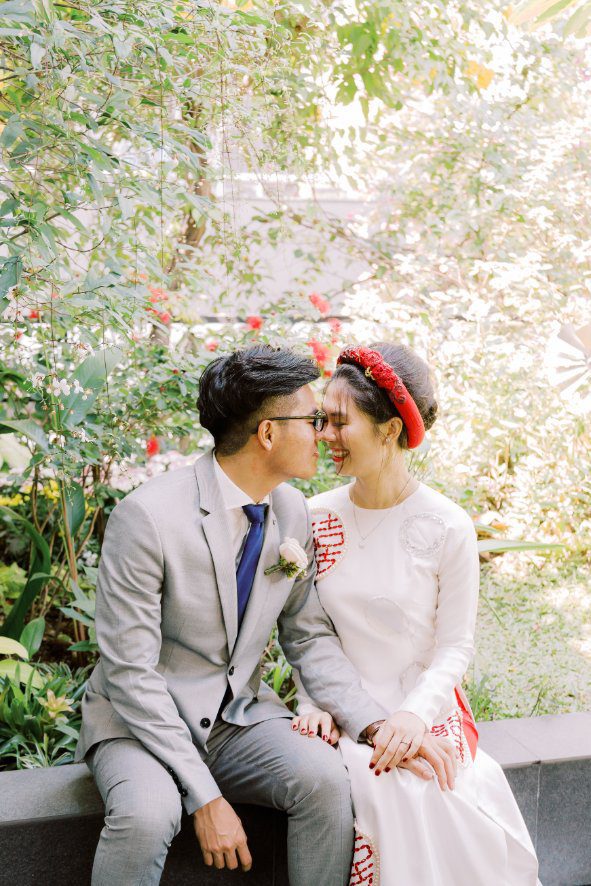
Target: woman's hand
column 318, row 723
column 398, row 738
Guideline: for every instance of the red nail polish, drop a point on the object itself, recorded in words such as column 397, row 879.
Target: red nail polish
column 371, row 765
column 377, row 772
column 387, row 768
column 325, row 738
column 310, row 732
column 303, row 731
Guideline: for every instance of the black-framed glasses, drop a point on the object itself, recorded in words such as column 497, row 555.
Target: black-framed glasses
column 318, row 420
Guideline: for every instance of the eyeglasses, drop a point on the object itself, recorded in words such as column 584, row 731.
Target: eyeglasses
column 318, row 420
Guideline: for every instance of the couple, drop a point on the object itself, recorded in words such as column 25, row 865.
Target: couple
column 190, row 586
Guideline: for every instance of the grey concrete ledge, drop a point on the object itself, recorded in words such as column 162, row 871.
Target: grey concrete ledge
column 555, row 738
column 57, row 792
column 50, row 819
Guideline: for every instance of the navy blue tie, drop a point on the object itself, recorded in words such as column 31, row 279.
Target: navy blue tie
column 250, row 555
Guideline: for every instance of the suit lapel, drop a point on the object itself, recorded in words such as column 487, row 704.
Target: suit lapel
column 217, row 535
column 262, row 583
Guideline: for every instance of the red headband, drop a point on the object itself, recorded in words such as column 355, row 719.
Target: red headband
column 384, row 376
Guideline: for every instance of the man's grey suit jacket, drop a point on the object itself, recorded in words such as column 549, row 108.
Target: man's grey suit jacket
column 167, row 629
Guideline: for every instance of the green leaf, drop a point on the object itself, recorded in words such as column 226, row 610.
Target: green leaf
column 20, row 672
column 8, row 646
column 83, row 646
column 91, row 374
column 577, row 23
column 500, row 545
column 32, row 636
column 554, row 10
column 10, row 274
column 28, row 428
column 77, row 616
column 40, row 563
column 75, row 507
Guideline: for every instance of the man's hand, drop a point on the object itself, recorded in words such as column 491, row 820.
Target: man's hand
column 221, row 836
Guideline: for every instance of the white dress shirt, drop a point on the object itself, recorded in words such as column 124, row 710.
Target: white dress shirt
column 234, row 498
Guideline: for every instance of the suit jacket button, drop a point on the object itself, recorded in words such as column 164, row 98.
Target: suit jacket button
column 231, row 671
column 205, row 723
column 184, row 792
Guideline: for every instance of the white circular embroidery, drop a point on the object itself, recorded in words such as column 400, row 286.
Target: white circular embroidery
column 423, row 534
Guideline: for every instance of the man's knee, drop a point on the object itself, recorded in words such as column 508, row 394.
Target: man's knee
column 325, row 783
column 145, row 825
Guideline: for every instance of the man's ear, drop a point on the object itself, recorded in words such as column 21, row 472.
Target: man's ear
column 265, row 434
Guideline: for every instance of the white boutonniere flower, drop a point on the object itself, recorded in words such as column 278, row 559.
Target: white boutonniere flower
column 292, row 559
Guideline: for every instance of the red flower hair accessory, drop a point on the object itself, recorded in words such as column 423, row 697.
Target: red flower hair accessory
column 384, row 376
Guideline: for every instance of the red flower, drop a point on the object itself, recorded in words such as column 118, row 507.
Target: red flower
column 335, row 325
column 157, row 294
column 33, row 315
column 164, row 317
column 152, row 446
column 320, row 303
column 254, row 321
column 212, row 344
column 320, row 351
column 328, row 373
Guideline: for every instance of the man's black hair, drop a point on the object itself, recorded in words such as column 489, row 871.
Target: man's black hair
column 236, row 391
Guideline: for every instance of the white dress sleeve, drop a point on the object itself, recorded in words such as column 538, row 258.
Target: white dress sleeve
column 455, row 622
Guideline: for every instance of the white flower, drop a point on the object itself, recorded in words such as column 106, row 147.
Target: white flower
column 89, row 558
column 37, row 379
column 59, row 386
column 292, row 552
column 13, row 313
column 78, row 389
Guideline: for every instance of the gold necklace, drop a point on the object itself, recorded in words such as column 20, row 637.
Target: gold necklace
column 363, row 538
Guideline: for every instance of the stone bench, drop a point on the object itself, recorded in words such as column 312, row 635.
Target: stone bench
column 50, row 819
column 547, row 761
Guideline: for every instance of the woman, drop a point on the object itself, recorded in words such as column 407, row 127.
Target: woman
column 398, row 575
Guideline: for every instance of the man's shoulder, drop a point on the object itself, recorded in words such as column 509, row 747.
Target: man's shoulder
column 289, row 503
column 163, row 491
column 286, row 495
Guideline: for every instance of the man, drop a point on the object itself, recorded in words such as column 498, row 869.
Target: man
column 175, row 710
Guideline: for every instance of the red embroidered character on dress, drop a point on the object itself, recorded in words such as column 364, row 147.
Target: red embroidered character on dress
column 363, row 867
column 329, row 541
column 452, row 728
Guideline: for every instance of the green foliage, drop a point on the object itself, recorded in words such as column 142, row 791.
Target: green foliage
column 276, row 672
column 482, row 698
column 81, row 609
column 33, row 728
column 36, row 579
column 12, row 581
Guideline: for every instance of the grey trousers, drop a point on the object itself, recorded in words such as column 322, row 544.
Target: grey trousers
column 268, row 764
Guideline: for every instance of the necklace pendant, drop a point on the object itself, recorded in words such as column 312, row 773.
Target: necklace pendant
column 362, row 543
